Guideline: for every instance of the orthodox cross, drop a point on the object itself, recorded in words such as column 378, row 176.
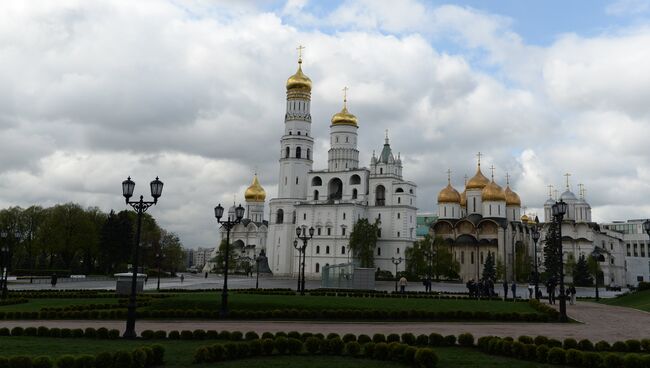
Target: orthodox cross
column 567, row 180
column 507, row 178
column 465, row 179
column 550, row 191
column 300, row 48
column 479, row 158
column 345, row 96
column 555, row 193
column 581, row 188
column 492, row 169
column 449, row 176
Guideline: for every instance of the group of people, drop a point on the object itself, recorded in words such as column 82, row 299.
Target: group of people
column 484, row 288
column 569, row 292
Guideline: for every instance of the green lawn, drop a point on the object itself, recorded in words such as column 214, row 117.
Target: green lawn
column 639, row 300
column 179, row 354
column 35, row 305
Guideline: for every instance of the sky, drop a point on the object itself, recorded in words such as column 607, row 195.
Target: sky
column 193, row 92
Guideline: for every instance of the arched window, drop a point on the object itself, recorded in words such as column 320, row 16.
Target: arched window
column 343, row 249
column 287, row 152
column 299, row 132
column 380, row 195
column 290, row 133
column 308, row 158
column 346, row 139
column 399, row 190
column 298, row 152
column 399, row 200
column 318, row 249
column 472, row 258
column 315, row 195
column 279, row 218
column 335, row 189
column 381, row 170
column 354, row 194
column 355, row 179
column 294, row 217
column 378, row 251
column 317, row 268
column 327, row 249
column 316, row 181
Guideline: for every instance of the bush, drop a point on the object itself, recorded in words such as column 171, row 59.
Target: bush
column 381, row 351
column 68, row 361
column 352, row 348
column 541, row 340
column 408, row 338
column 633, row 346
column 369, row 350
column 602, row 346
column 104, row 360
column 570, row 344
column 139, row 358
column 265, row 335
column 123, row 359
column 556, row 356
column 281, row 344
column 377, row 338
column 77, row 332
column 90, row 333
column 591, row 360
column 187, row 335
column 553, row 343
column 422, row 340
column 542, row 353
column 294, row 346
column 4, row 362
column 332, row 335
column 349, row 337
column 174, row 335
column 392, row 337
column 251, row 335
column 202, row 355
column 613, row 361
column 237, row 336
column 113, row 334
column 5, row 331
column 42, row 362
column 43, row 331
column 645, row 345
column 466, row 339
column 198, row 334
column 30, row 331
column 425, row 358
column 619, row 346
column 87, row 361
column 20, row 362
column 574, row 357
column 147, row 334
column 585, row 345
column 409, row 354
column 158, row 354
column 362, row 339
column 450, row 340
column 312, row 344
column 17, row 331
column 632, row 361
column 506, row 347
column 102, row 332
column 267, row 346
column 335, row 346
column 518, row 350
column 525, row 339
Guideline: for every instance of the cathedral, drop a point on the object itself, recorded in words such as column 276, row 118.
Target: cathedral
column 484, row 218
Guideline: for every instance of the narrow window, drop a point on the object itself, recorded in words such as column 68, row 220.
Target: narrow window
column 285, row 180
column 287, row 152
column 354, row 194
column 318, row 249
column 398, row 215
column 445, row 210
column 343, row 249
column 327, row 249
column 308, row 158
column 317, row 268
column 397, row 250
column 378, row 251
column 398, row 234
column 315, row 195
column 343, row 231
column 399, row 200
column 490, row 210
column 346, row 139
column 296, row 180
column 329, row 231
column 381, row 170
column 299, row 132
column 474, row 204
column 344, row 215
column 298, row 152
column 472, row 258
column 304, row 216
column 319, row 230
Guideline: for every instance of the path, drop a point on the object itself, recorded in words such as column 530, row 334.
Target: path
column 600, row 322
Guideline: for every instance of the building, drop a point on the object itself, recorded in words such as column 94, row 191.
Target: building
column 201, row 256
column 637, row 249
column 331, row 200
column 484, row 218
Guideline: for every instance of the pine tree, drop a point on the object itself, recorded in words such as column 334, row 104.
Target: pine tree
column 489, row 271
column 552, row 258
column 581, row 276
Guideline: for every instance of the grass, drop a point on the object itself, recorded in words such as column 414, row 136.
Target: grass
column 638, row 300
column 179, row 354
column 35, row 305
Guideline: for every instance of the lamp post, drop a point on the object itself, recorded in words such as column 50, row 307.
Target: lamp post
column 158, row 261
column 258, row 259
column 140, row 206
column 396, row 261
column 301, row 233
column 559, row 210
column 535, row 236
column 228, row 224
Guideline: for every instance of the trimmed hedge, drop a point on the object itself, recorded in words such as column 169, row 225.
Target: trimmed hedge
column 142, row 357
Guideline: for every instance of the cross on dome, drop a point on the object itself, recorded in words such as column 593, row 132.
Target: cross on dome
column 479, row 158
column 345, row 96
column 491, row 169
column 550, row 190
column 507, row 178
column 448, row 176
column 567, row 180
column 300, row 48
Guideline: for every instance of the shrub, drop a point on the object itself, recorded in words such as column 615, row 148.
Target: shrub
column 396, row 351
column 645, row 345
column 574, row 357
column 553, row 343
column 294, row 346
column 186, row 335
column 335, row 346
column 408, row 338
column 633, row 346
column 87, row 361
column 542, row 353
column 104, row 360
column 149, row 352
column 158, row 354
column 198, row 334
column 632, row 361
column 392, row 337
column 174, row 335
column 409, row 354
column 43, row 331
column 591, row 360
column 422, row 340
column 42, row 362
column 251, row 335
column 332, row 335
column 281, row 333
column 139, row 358
column 237, row 336
column 450, row 340
column 377, row 338
column 4, row 331
column 4, row 362
column 613, row 361
column 66, row 333
column 585, row 345
column 556, row 356
column 518, row 350
column 369, row 349
column 113, row 334
column 77, row 332
column 602, row 346
column 90, row 332
column 349, row 337
column 30, row 331
column 20, row 362
column 17, row 331
column 265, row 335
column 102, row 332
column 425, row 358
column 312, row 344
column 202, row 355
column 541, row 340
column 230, row 350
column 362, row 339
column 67, row 361
column 570, row 344
column 352, row 348
column 123, row 359
column 531, row 351
column 267, row 346
column 619, row 346
column 525, row 339
column 506, row 347
column 381, row 351
column 466, row 339
column 281, row 344
column 147, row 334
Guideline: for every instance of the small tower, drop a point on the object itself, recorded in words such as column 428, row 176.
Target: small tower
column 255, row 196
column 343, row 153
column 474, row 187
column 513, row 202
column 449, row 201
column 494, row 199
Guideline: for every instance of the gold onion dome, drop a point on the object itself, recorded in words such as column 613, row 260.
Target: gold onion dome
column 463, row 198
column 448, row 195
column 512, row 198
column 493, row 192
column 344, row 117
column 525, row 219
column 255, row 192
column 299, row 81
column 479, row 181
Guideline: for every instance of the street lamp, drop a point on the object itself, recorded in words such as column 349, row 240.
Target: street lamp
column 140, row 206
column 159, row 257
column 301, row 233
column 228, row 224
column 396, row 261
column 598, row 257
column 535, row 236
column 559, row 210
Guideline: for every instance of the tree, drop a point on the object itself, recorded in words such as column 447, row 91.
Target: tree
column 594, row 269
column 489, row 271
column 220, row 260
column 552, row 256
column 569, row 264
column 363, row 241
column 581, row 276
column 431, row 257
column 522, row 262
column 172, row 251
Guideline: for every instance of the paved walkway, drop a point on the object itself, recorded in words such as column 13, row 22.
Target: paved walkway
column 599, row 322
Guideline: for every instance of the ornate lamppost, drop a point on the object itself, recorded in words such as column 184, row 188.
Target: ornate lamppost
column 301, row 233
column 140, row 206
column 396, row 261
column 559, row 210
column 535, row 235
column 227, row 224
column 598, row 256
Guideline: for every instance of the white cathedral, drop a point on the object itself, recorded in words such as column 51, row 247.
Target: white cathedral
column 330, row 200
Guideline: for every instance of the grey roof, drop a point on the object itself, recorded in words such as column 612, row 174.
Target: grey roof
column 568, row 196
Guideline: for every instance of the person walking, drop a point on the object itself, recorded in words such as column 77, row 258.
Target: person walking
column 550, row 289
column 402, row 285
column 182, row 278
column 531, row 289
column 206, row 275
column 505, row 289
column 572, row 290
column 513, row 287
column 53, row 280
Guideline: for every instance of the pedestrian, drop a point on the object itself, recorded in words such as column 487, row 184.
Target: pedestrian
column 182, row 278
column 550, row 289
column 531, row 289
column 513, row 287
column 572, row 290
column 402, row 284
column 505, row 289
column 146, row 278
column 53, row 280
column 206, row 275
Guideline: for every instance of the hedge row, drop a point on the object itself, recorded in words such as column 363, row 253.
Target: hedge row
column 557, row 355
column 142, row 357
column 77, row 294
column 99, row 333
column 395, row 351
column 399, row 295
column 13, row 301
column 544, row 308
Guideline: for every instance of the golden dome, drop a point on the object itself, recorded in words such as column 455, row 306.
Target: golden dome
column 512, row 198
column 448, row 195
column 344, row 117
column 525, row 219
column 299, row 81
column 463, row 198
column 255, row 193
column 493, row 192
column 479, row 181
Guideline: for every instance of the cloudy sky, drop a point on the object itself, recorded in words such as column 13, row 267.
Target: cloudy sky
column 193, row 91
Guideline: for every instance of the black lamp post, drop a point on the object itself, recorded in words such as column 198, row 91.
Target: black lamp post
column 227, row 224
column 159, row 257
column 535, row 235
column 559, row 210
column 598, row 257
column 140, row 206
column 301, row 233
column 396, row 261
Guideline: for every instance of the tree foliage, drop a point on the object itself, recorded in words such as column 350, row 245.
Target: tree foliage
column 552, row 256
column 431, row 257
column 363, row 241
column 581, row 276
column 489, row 269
